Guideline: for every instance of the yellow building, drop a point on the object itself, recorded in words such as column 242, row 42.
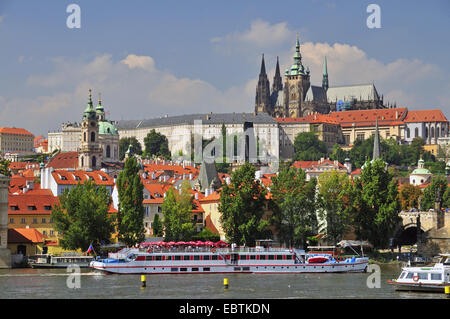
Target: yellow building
column 360, row 124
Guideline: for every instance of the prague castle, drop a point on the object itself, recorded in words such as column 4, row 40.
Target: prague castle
column 298, row 98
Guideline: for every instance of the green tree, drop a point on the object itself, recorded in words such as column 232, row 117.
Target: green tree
column 335, row 192
column 206, row 235
column 375, row 204
column 308, row 147
column 124, row 144
column 156, row 144
column 436, row 190
column 293, row 205
column 242, row 204
column 177, row 211
column 338, row 154
column 131, row 211
column 4, row 167
column 82, row 217
column 157, row 226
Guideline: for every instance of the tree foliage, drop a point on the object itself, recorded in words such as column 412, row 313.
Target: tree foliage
column 375, row 205
column 242, row 204
column 294, row 206
column 308, row 147
column 335, row 193
column 157, row 226
column 177, row 211
column 4, row 167
column 435, row 191
column 124, row 144
column 156, row 144
column 409, row 196
column 82, row 217
column 131, row 211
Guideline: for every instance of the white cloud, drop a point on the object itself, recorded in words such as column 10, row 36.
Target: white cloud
column 131, row 88
column 261, row 35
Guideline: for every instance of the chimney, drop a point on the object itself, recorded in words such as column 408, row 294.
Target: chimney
column 196, row 196
column 190, row 176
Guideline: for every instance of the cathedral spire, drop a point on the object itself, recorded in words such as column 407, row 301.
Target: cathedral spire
column 263, row 67
column 277, row 81
column 262, row 100
column 325, row 75
column 376, row 143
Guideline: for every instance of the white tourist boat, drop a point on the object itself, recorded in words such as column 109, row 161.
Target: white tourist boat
column 224, row 260
column 50, row 261
column 432, row 279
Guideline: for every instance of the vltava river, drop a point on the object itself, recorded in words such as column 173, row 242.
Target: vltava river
column 52, row 284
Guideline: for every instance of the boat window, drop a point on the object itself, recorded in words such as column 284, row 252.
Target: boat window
column 289, row 257
column 183, row 269
column 410, row 275
column 246, row 268
column 271, row 257
column 262, row 257
column 196, row 257
column 243, row 257
column 402, row 275
column 173, row 269
column 195, row 269
column 158, row 257
column 214, row 257
column 436, row 276
column 168, row 257
column 423, row 275
column 279, row 257
column 252, row 257
column 177, row 257
column 206, row 269
column 206, row 257
column 186, row 257
column 132, row 257
column 147, row 258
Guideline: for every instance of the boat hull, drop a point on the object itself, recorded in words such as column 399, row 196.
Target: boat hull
column 202, row 269
column 419, row 287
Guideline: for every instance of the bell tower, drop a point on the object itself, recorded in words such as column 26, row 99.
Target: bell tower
column 262, row 100
column 90, row 152
column 296, row 85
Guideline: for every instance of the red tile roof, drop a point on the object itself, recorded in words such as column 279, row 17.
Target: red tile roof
column 25, row 235
column 369, row 117
column 315, row 164
column 14, row 130
column 74, row 177
column 425, row 116
column 64, row 160
column 312, row 118
column 33, row 202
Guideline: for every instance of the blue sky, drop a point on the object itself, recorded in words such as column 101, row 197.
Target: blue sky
column 151, row 58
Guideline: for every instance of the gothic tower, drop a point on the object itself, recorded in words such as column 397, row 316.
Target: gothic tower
column 89, row 153
column 277, row 81
column 262, row 101
column 296, row 85
column 325, row 85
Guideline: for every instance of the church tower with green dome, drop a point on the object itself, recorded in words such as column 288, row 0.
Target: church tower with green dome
column 108, row 135
column 90, row 152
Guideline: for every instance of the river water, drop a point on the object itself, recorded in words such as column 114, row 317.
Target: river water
column 60, row 284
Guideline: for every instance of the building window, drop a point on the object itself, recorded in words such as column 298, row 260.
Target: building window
column 108, row 151
column 92, row 136
column 360, row 136
column 11, row 220
column 407, row 133
column 94, row 161
column 44, row 220
column 416, row 132
column 22, row 220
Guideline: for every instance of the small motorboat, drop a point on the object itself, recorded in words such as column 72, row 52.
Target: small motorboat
column 431, row 279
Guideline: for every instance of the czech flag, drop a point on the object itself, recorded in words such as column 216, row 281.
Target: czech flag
column 90, row 249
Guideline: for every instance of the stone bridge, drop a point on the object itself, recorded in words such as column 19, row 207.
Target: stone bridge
column 430, row 230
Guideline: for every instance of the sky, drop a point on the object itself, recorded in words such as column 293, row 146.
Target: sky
column 150, row 58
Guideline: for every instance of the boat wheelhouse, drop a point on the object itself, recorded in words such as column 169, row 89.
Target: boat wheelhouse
column 223, row 260
column 432, row 279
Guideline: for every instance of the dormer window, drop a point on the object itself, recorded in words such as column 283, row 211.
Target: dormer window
column 32, row 207
column 14, row 207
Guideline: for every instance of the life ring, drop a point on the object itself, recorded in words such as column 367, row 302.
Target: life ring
column 213, row 250
column 415, row 278
column 149, row 250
